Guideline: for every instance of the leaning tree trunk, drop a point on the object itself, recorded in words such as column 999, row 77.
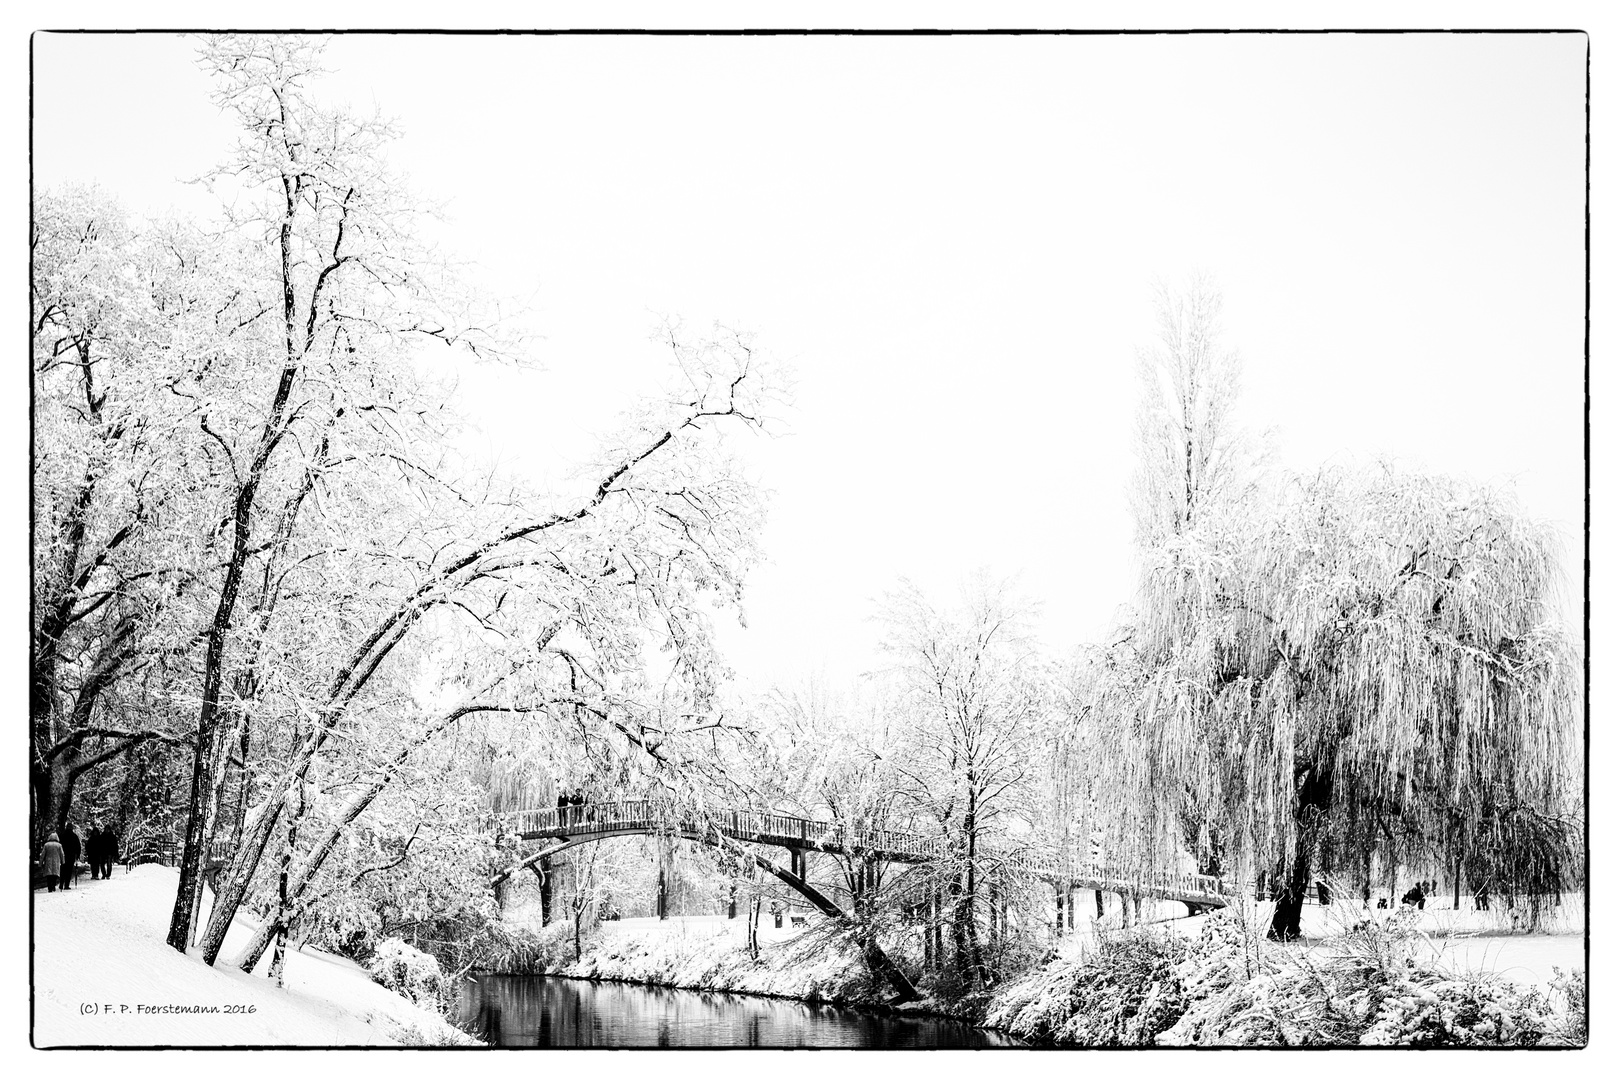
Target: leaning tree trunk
column 1315, row 796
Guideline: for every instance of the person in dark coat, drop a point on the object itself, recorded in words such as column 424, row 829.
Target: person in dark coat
column 71, row 850
column 109, row 853
column 92, row 849
column 100, row 849
column 50, row 861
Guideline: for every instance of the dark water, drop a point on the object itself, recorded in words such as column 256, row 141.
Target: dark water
column 541, row 1011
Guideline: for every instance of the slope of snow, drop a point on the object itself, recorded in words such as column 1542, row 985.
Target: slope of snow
column 99, row 958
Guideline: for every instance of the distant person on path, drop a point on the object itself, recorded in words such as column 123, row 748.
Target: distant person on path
column 109, row 852
column 71, row 850
column 101, row 848
column 92, row 849
column 50, row 860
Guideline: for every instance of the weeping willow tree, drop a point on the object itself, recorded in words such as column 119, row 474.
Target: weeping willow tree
column 1340, row 665
column 1374, row 664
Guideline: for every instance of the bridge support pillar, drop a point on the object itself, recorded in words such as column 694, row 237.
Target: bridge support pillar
column 1100, row 909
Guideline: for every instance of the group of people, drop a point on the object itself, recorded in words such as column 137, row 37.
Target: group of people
column 1416, row 896
column 59, row 858
column 566, row 815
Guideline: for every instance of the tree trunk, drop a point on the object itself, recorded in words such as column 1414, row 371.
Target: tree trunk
column 246, row 858
column 545, row 890
column 1315, row 797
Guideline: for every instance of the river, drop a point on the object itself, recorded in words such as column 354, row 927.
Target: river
column 548, row 1011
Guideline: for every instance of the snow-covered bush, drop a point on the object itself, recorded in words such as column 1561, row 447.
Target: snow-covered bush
column 519, row 950
column 1122, row 994
column 1229, row 987
column 1569, row 1000
column 410, row 973
column 1425, row 1010
column 1367, row 987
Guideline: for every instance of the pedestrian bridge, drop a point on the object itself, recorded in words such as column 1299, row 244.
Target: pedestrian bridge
column 570, row 826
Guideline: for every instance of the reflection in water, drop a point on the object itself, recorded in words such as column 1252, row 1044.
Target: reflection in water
column 537, row 1011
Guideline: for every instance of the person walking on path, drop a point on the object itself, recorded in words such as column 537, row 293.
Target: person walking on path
column 50, row 860
column 95, row 843
column 71, row 849
column 103, row 853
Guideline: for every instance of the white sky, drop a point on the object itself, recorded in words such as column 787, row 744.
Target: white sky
column 952, row 240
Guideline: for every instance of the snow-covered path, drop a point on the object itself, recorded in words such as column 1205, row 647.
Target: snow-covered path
column 99, row 958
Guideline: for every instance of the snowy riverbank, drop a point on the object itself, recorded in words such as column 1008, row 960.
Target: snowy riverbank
column 707, row 954
column 101, row 968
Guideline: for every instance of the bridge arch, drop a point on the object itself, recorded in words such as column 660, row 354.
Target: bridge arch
column 880, row 962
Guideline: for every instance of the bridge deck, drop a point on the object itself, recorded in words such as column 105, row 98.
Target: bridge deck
column 803, row 834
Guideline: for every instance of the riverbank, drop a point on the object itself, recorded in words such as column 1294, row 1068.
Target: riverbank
column 554, row 1011
column 815, row 966
column 103, row 976
column 1149, row 979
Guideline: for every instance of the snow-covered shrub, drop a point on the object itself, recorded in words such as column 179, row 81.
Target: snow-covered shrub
column 520, row 950
column 1569, row 1000
column 442, row 1034
column 1367, row 987
column 1122, row 994
column 1429, row 1010
column 410, row 973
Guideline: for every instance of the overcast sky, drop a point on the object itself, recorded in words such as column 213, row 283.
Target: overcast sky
column 953, row 242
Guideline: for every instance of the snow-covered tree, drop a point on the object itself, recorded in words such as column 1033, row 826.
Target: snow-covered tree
column 1342, row 664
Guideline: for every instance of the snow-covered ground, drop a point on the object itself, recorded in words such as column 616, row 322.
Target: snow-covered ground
column 1465, row 940
column 100, row 963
